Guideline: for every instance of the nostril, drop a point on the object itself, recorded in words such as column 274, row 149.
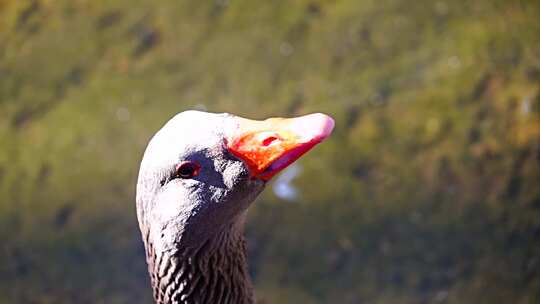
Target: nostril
column 269, row 140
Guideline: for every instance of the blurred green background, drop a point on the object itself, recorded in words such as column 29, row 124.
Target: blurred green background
column 427, row 192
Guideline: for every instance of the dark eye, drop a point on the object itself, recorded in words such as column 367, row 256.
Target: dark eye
column 187, row 169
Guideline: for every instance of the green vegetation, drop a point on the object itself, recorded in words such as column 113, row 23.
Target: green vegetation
column 428, row 191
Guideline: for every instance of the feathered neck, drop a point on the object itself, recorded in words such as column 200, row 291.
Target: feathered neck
column 213, row 272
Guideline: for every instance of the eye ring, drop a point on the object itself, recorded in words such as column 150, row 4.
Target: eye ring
column 187, row 169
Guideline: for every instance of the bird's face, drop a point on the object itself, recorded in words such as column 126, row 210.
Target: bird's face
column 202, row 170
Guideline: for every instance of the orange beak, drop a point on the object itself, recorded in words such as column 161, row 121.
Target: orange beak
column 270, row 145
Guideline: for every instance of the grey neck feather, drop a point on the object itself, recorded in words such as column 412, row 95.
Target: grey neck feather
column 213, row 272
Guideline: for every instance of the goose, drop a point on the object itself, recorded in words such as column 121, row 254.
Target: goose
column 199, row 174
